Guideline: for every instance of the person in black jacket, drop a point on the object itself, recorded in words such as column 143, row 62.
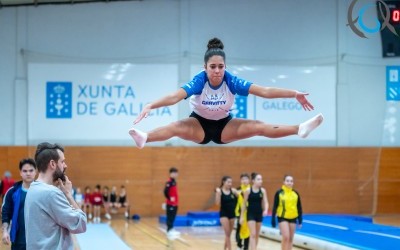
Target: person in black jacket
column 13, row 206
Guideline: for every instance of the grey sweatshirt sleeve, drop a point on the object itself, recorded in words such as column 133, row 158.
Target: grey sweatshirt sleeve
column 74, row 220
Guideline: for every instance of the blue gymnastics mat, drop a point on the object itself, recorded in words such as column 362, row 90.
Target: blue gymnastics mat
column 194, row 219
column 180, row 220
column 352, row 231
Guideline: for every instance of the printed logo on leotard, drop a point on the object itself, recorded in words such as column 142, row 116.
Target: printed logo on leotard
column 214, row 101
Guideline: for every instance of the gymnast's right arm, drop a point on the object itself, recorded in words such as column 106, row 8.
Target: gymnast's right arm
column 167, row 100
column 218, row 196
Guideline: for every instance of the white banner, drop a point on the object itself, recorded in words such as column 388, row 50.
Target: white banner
column 90, row 103
column 318, row 81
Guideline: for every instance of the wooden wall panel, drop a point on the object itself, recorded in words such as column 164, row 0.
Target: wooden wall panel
column 10, row 158
column 389, row 181
column 329, row 179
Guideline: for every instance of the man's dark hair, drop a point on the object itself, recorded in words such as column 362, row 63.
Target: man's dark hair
column 29, row 161
column 45, row 152
column 173, row 170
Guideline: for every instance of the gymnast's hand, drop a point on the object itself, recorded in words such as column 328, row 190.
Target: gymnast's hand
column 301, row 98
column 145, row 112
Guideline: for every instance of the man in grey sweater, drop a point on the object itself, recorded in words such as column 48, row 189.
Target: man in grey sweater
column 51, row 213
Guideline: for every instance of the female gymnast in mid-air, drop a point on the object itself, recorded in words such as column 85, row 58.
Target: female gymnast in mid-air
column 212, row 94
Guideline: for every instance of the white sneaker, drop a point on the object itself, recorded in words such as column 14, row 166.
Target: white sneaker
column 98, row 219
column 138, row 136
column 126, row 215
column 90, row 216
column 173, row 231
column 108, row 216
column 306, row 127
column 171, row 235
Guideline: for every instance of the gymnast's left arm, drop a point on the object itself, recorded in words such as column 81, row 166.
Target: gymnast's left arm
column 265, row 204
column 272, row 92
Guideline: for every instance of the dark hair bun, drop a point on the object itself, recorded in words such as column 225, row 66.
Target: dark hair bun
column 215, row 43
